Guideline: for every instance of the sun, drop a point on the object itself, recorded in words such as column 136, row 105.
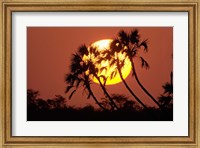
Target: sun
column 103, row 45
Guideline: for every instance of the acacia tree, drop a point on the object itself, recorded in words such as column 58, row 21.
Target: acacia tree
column 58, row 102
column 130, row 44
column 79, row 77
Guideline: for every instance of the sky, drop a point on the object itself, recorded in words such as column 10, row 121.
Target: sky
column 50, row 49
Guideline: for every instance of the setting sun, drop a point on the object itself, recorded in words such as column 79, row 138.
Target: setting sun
column 103, row 45
column 85, row 73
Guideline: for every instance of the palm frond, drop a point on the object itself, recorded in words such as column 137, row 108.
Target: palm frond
column 165, row 100
column 103, row 77
column 134, row 37
column 68, row 88
column 115, row 46
column 104, row 83
column 85, row 67
column 70, row 78
column 74, row 67
column 124, row 37
column 108, row 57
column 70, row 96
column 89, row 95
column 105, row 52
column 78, row 81
column 113, row 74
column 92, row 68
column 99, row 60
column 84, row 90
column 145, row 45
column 134, row 53
column 103, row 68
column 144, row 63
column 76, row 58
column 122, row 62
column 168, row 88
column 96, row 52
column 83, row 50
column 93, row 50
column 112, row 62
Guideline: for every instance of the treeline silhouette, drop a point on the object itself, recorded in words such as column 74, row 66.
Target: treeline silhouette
column 87, row 63
column 57, row 109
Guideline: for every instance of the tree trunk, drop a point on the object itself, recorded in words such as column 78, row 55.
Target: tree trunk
column 106, row 93
column 129, row 89
column 95, row 99
column 143, row 88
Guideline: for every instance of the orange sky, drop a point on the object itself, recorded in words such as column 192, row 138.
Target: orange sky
column 50, row 50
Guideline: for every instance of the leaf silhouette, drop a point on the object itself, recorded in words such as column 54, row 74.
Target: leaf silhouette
column 78, row 82
column 103, row 77
column 134, row 37
column 105, row 52
column 70, row 96
column 165, row 100
column 124, row 37
column 112, row 62
column 68, row 88
column 84, row 89
column 100, row 59
column 70, row 79
column 168, row 88
column 144, row 63
column 93, row 50
column 144, row 44
column 83, row 50
column 76, row 58
column 122, row 62
column 103, row 68
column 134, row 53
column 89, row 94
column 116, row 46
column 113, row 74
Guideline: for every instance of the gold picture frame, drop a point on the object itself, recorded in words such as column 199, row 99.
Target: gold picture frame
column 9, row 6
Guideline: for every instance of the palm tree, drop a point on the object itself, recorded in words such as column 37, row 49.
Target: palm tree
column 130, row 44
column 79, row 76
column 93, row 70
column 166, row 98
column 119, row 64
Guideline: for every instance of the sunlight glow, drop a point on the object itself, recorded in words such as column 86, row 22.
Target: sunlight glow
column 103, row 45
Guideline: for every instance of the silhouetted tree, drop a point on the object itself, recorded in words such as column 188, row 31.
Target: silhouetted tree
column 31, row 99
column 122, row 102
column 93, row 70
column 35, row 103
column 166, row 99
column 32, row 96
column 42, row 104
column 130, row 44
column 79, row 75
column 59, row 102
column 88, row 108
column 56, row 109
column 113, row 54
